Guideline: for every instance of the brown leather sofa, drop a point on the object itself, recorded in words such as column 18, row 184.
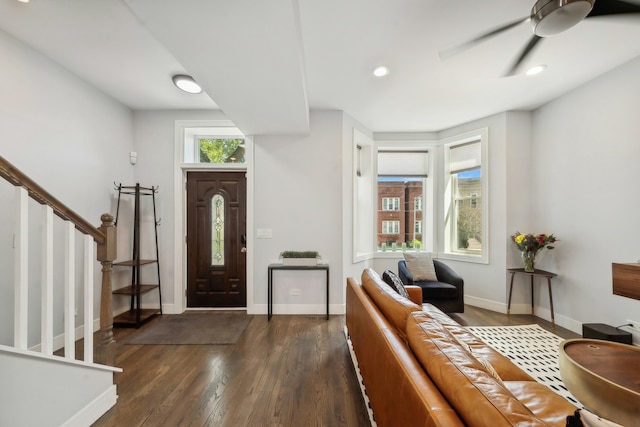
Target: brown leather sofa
column 421, row 368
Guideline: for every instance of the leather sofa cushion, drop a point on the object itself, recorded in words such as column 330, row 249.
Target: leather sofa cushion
column 394, row 307
column 478, row 398
column 506, row 369
column 437, row 290
column 545, row 404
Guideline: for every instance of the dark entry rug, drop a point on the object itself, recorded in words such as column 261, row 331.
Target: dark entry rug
column 193, row 328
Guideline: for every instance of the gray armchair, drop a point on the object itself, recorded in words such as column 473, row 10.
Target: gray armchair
column 447, row 293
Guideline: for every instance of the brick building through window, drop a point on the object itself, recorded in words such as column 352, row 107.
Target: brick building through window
column 406, row 219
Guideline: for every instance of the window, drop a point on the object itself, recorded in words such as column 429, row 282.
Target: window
column 390, row 227
column 211, row 146
column 417, row 203
column 390, row 203
column 402, row 174
column 399, row 204
column 465, row 225
column 217, row 230
column 221, row 150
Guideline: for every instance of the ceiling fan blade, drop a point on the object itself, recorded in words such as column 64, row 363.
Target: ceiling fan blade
column 449, row 52
column 612, row 7
column 525, row 52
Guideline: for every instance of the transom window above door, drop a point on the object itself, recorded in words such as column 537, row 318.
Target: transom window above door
column 217, row 146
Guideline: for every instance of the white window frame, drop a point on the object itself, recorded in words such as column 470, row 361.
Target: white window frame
column 450, row 252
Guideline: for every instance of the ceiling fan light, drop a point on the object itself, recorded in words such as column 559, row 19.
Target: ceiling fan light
column 549, row 17
column 186, row 83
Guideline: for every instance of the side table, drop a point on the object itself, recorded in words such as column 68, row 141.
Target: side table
column 532, row 274
column 272, row 267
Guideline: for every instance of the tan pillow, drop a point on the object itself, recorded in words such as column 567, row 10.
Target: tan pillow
column 420, row 266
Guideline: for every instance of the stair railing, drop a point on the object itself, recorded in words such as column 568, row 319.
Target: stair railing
column 105, row 239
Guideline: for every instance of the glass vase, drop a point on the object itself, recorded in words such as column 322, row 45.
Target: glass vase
column 529, row 260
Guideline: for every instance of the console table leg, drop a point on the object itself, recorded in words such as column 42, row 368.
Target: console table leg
column 269, row 294
column 553, row 318
column 510, row 291
column 532, row 305
column 327, row 293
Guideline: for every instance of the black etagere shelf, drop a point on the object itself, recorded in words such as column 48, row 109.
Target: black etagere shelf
column 136, row 315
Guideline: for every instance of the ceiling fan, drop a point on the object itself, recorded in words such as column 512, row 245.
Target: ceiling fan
column 550, row 17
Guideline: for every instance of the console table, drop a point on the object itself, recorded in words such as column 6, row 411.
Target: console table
column 272, row 267
column 532, row 274
column 604, row 377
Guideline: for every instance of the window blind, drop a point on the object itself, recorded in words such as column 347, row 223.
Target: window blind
column 465, row 157
column 403, row 163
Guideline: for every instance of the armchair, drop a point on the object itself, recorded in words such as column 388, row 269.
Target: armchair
column 447, row 293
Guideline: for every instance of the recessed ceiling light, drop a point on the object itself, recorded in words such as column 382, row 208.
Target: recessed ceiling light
column 186, row 83
column 23, row 1
column 381, row 71
column 536, row 70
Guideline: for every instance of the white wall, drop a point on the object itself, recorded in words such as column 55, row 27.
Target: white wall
column 72, row 140
column 298, row 187
column 585, row 155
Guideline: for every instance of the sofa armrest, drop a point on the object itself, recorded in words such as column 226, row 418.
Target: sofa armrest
column 447, row 275
column 415, row 294
column 404, row 273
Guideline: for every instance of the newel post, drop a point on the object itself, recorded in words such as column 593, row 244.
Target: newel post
column 107, row 253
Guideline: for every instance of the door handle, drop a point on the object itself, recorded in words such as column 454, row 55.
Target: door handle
column 244, row 249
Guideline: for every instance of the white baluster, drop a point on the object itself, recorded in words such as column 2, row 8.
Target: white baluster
column 21, row 295
column 46, row 327
column 89, row 259
column 69, row 291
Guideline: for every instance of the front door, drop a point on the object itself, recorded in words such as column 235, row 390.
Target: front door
column 216, row 236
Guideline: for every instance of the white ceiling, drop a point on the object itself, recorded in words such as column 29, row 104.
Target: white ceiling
column 265, row 63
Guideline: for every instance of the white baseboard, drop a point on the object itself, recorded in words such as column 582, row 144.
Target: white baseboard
column 543, row 313
column 94, row 410
column 486, row 304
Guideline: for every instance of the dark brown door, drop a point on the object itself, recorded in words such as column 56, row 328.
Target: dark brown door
column 216, row 236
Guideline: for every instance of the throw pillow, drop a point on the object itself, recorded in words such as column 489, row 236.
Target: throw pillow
column 420, row 265
column 394, row 281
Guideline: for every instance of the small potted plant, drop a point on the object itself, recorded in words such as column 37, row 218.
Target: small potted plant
column 299, row 257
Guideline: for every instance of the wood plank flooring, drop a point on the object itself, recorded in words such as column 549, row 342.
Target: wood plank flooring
column 291, row 371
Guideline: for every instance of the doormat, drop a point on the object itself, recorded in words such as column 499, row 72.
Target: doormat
column 532, row 348
column 195, row 328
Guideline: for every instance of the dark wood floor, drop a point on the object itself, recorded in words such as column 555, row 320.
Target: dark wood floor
column 291, row 371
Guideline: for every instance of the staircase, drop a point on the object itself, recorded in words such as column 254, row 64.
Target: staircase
column 38, row 387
